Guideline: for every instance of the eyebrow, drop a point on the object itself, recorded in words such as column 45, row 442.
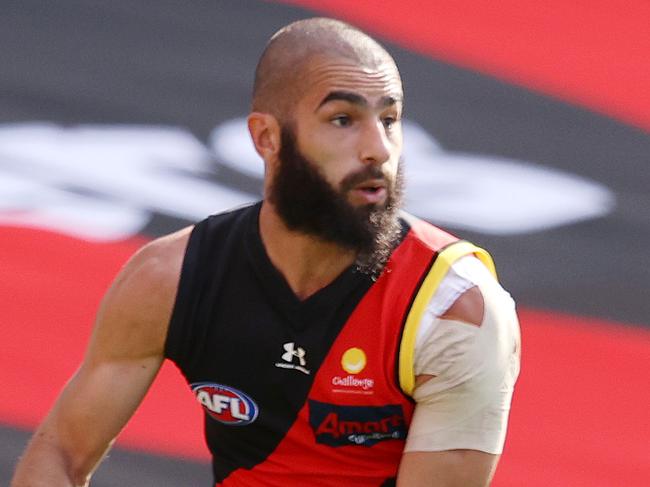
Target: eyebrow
column 357, row 99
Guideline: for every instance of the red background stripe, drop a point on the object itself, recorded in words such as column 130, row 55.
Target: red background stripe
column 593, row 53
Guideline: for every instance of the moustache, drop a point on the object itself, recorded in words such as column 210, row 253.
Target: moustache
column 366, row 174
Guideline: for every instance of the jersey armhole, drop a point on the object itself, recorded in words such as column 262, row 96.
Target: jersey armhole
column 176, row 340
column 443, row 261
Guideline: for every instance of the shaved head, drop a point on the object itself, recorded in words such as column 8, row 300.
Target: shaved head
column 327, row 106
column 282, row 73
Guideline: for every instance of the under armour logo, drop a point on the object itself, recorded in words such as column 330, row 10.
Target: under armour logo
column 291, row 352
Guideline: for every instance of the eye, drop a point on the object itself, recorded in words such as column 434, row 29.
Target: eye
column 341, row 120
column 388, row 121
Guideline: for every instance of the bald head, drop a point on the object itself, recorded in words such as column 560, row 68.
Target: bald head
column 283, row 70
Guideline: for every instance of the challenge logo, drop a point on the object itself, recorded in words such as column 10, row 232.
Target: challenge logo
column 353, row 360
column 225, row 404
column 335, row 425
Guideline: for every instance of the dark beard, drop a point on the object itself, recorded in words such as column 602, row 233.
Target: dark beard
column 307, row 203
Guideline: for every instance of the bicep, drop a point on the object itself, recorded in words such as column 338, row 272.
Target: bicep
column 451, row 468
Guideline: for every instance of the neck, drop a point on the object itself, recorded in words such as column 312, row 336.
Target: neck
column 307, row 263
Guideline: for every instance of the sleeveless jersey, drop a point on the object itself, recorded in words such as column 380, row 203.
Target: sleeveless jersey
column 298, row 392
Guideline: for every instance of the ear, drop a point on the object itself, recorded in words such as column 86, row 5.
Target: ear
column 265, row 132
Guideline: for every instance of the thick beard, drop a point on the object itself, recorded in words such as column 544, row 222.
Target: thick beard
column 307, row 203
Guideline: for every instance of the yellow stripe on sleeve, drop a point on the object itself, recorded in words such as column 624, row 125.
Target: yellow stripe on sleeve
column 444, row 261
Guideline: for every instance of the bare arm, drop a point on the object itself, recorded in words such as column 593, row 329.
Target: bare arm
column 451, row 468
column 123, row 357
column 462, row 405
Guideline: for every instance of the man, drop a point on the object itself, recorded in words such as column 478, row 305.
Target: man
column 317, row 328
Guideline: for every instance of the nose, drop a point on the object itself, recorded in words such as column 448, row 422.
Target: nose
column 374, row 144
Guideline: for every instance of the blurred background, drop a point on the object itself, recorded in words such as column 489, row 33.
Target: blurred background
column 527, row 131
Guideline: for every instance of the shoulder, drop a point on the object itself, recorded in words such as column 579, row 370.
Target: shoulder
column 425, row 233
column 473, row 336
column 156, row 266
column 466, row 375
column 468, row 284
column 135, row 312
column 466, row 362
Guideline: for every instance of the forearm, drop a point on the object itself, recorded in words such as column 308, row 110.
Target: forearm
column 69, row 444
column 45, row 463
column 453, row 468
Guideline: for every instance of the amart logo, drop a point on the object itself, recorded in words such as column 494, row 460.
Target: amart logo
column 336, row 425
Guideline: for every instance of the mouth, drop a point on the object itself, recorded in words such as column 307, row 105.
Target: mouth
column 370, row 192
column 371, row 185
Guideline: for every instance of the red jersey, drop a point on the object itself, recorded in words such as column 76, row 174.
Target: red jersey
column 298, row 392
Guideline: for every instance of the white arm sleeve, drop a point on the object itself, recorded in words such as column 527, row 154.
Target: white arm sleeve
column 466, row 404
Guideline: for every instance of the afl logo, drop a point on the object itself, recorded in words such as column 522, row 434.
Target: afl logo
column 225, row 404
